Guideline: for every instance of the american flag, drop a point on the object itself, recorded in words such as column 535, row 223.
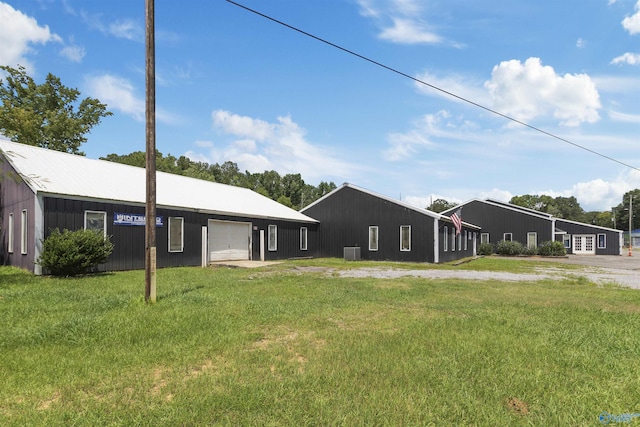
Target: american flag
column 456, row 218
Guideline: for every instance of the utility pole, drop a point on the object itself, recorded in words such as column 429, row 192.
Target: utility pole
column 150, row 157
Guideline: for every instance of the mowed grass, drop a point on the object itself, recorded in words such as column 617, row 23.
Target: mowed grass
column 286, row 345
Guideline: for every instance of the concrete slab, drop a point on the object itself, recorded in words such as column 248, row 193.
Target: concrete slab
column 622, row 262
column 243, row 264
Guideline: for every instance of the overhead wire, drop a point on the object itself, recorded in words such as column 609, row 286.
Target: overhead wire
column 422, row 82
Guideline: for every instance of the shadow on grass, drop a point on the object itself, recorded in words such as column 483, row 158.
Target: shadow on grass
column 179, row 293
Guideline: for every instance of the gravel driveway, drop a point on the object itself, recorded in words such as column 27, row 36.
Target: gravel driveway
column 602, row 270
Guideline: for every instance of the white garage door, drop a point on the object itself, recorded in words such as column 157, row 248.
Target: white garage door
column 584, row 244
column 229, row 240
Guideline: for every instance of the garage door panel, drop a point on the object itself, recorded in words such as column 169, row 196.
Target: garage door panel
column 229, row 241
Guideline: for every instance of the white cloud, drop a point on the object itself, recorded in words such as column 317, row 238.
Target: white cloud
column 457, row 84
column 409, row 31
column 632, row 23
column 617, row 84
column 18, row 33
column 118, row 94
column 581, row 43
column 624, row 117
column 400, row 21
column 258, row 145
column 242, row 125
column 531, row 90
column 440, row 133
column 627, row 58
column 598, row 194
column 204, row 144
column 73, row 53
column 496, row 194
column 405, row 144
column 125, row 28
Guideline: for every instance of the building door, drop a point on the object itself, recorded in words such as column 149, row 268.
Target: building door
column 229, row 241
column 584, row 244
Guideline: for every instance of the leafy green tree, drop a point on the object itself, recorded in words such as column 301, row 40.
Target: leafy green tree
column 440, row 205
column 622, row 211
column 602, row 219
column 292, row 187
column 561, row 207
column 533, row 201
column 46, row 115
column 568, row 208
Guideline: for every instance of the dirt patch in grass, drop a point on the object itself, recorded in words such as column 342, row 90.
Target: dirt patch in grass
column 518, row 406
column 44, row 405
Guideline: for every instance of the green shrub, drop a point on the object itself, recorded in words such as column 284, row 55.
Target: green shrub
column 485, row 249
column 74, row 252
column 509, row 248
column 552, row 248
column 529, row 251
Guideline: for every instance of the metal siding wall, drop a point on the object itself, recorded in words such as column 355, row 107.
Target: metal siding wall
column 15, row 196
column 450, row 255
column 497, row 220
column 346, row 216
column 288, row 239
column 613, row 237
column 129, row 241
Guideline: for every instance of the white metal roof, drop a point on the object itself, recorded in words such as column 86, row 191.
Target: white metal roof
column 56, row 173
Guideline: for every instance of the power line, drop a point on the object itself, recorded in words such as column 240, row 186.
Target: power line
column 468, row 101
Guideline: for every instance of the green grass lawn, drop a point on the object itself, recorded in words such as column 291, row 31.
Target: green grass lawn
column 277, row 346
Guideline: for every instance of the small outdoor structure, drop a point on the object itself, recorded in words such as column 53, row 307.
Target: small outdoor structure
column 386, row 229
column 197, row 221
column 505, row 221
column 635, row 238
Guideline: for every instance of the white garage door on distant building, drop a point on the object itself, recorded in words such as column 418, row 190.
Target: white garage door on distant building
column 584, row 244
column 229, row 241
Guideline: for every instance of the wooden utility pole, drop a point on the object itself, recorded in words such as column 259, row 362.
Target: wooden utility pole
column 150, row 157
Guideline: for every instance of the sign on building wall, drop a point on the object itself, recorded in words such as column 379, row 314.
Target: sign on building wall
column 133, row 219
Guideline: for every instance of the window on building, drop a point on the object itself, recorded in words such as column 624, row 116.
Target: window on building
column 602, row 241
column 373, row 238
column 273, row 237
column 176, row 234
column 466, row 239
column 303, row 238
column 23, row 232
column 566, row 241
column 459, row 241
column 532, row 240
column 96, row 221
column 453, row 240
column 507, row 237
column 10, row 234
column 445, row 240
column 484, row 238
column 405, row 238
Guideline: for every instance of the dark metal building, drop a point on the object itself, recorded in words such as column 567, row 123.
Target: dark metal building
column 505, row 221
column 385, row 229
column 197, row 221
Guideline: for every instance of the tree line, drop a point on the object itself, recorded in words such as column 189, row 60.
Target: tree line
column 289, row 190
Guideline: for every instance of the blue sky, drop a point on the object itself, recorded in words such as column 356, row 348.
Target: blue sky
column 235, row 86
